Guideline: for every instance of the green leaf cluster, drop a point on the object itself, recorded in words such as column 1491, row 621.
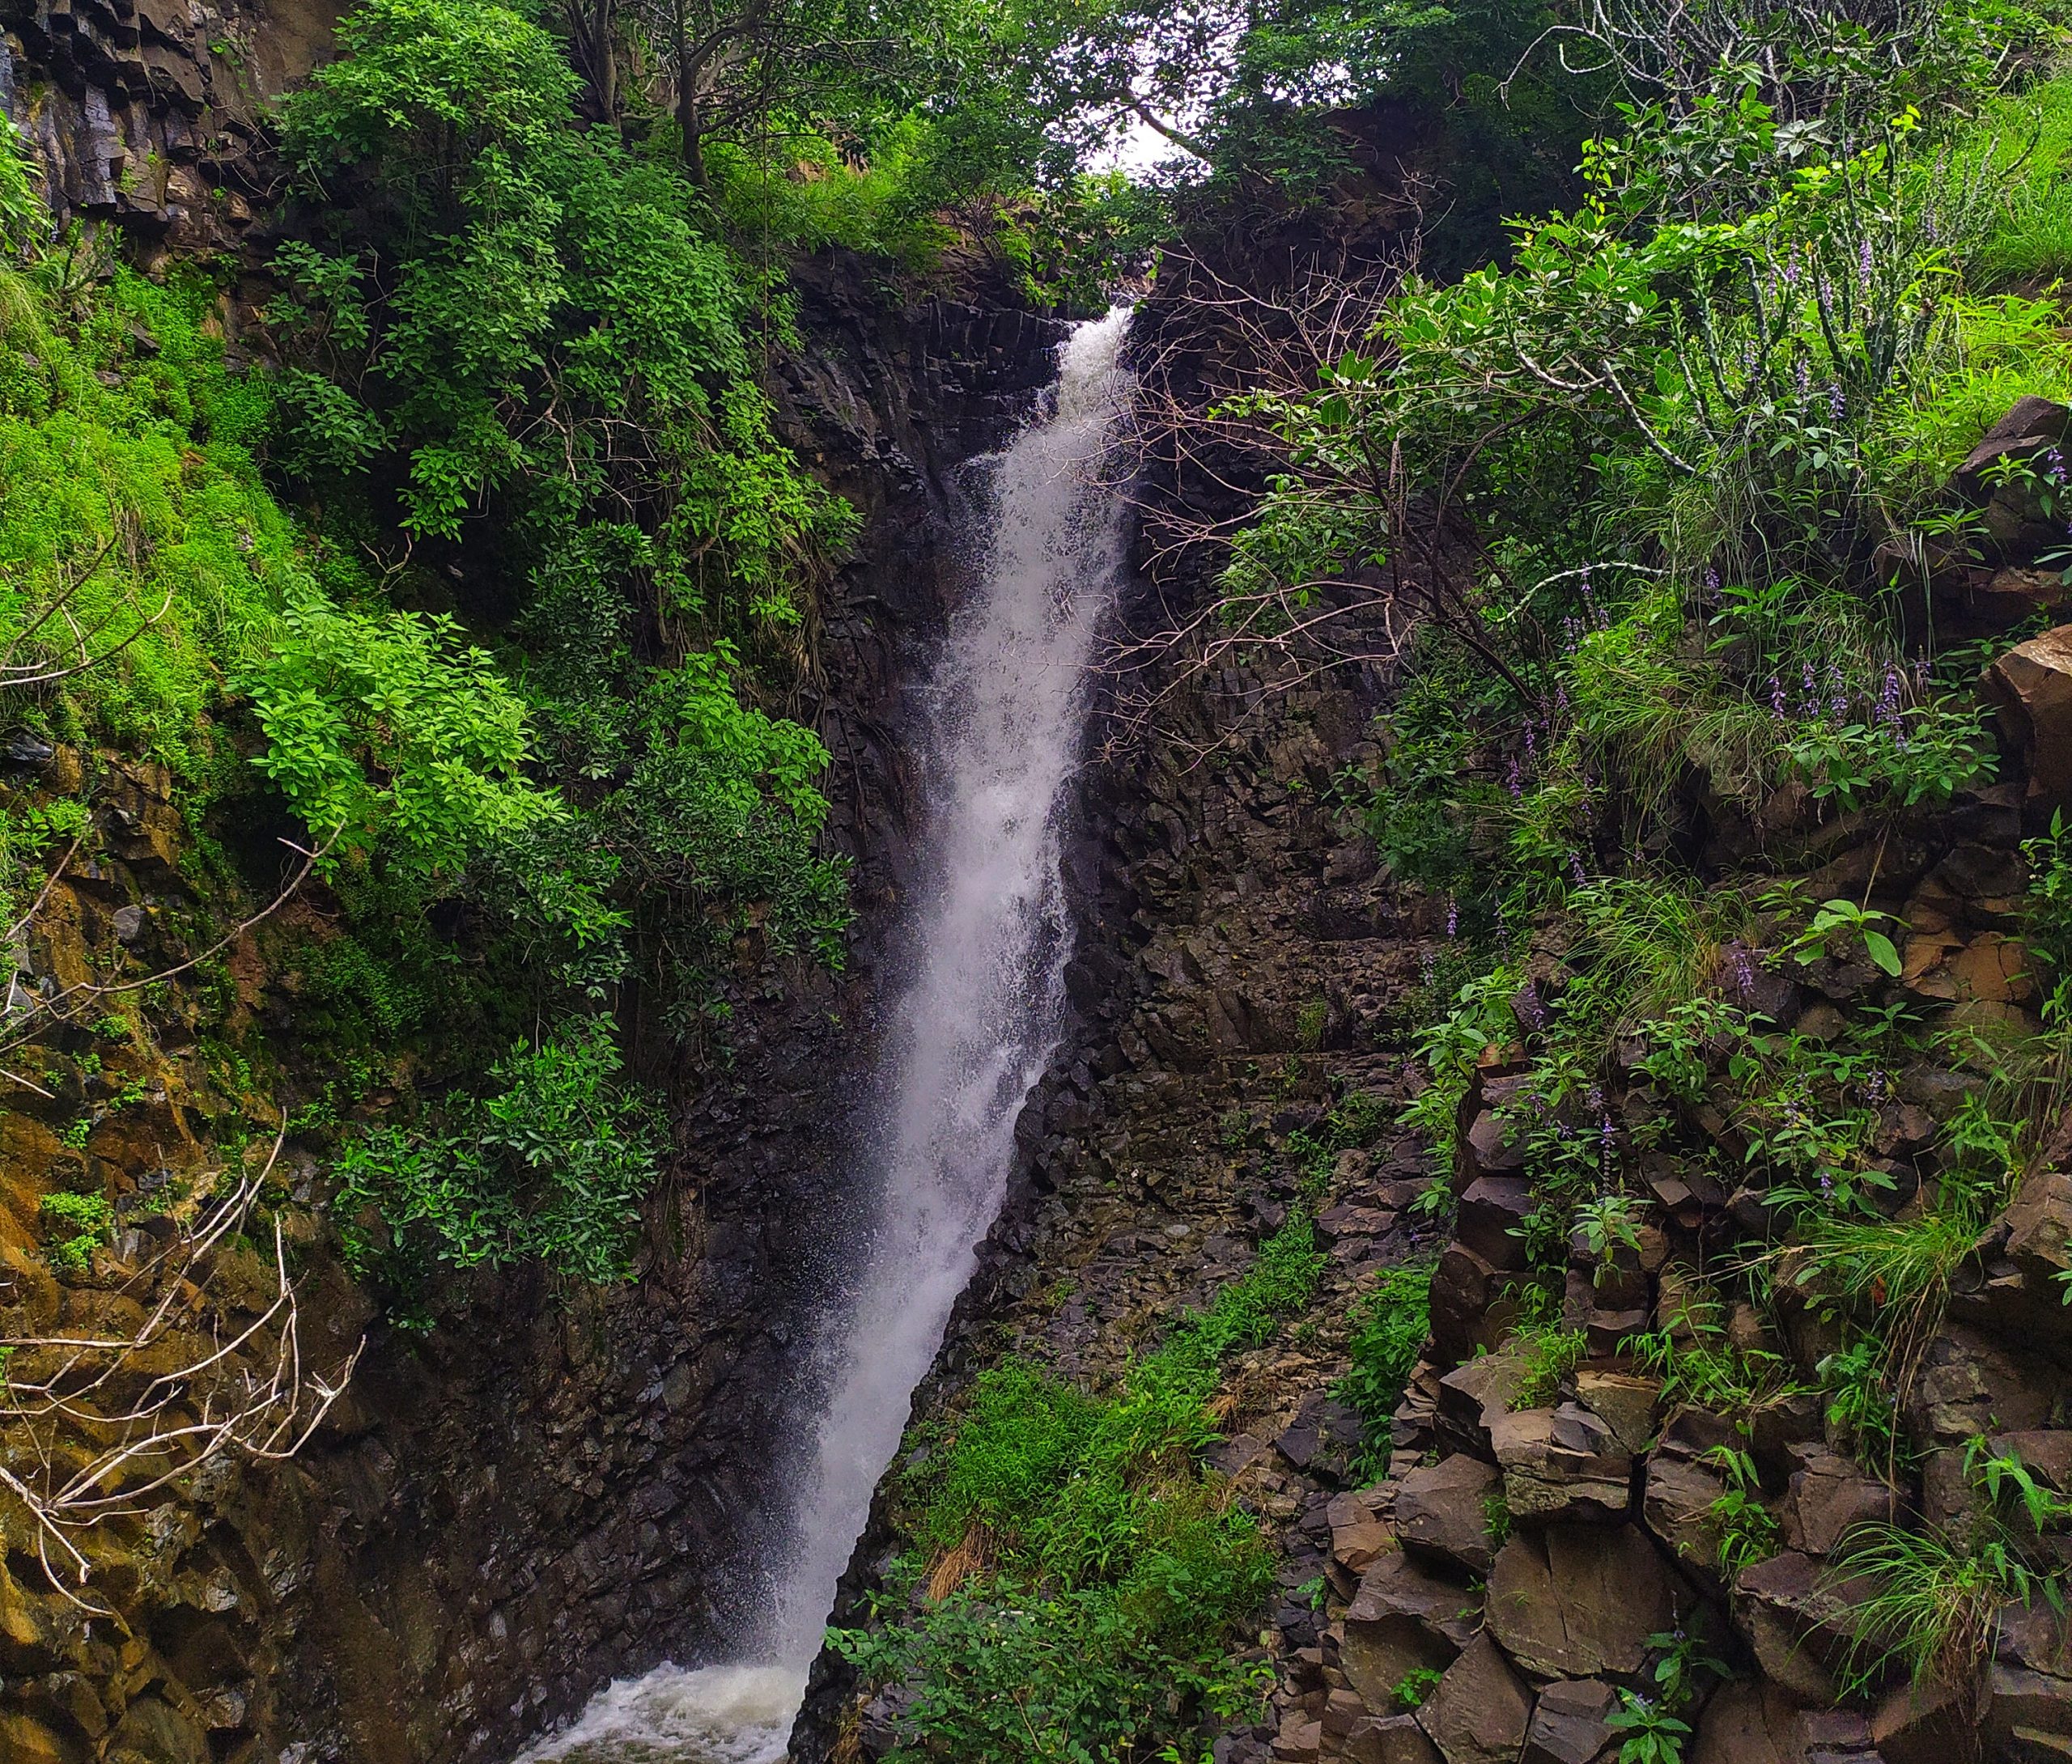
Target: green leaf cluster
column 552, row 1165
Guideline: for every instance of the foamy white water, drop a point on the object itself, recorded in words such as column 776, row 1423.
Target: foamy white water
column 712, row 1715
column 975, row 1029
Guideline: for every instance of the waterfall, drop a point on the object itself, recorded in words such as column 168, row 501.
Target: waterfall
column 974, row 1029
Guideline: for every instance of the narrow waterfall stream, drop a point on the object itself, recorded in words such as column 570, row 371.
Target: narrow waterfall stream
column 975, row 1026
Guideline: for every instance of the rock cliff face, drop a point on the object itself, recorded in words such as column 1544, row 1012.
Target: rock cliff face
column 546, row 1489
column 148, row 112
column 550, row 1494
column 1545, row 1534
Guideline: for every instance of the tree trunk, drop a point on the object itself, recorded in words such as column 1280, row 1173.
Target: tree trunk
column 689, row 123
column 604, row 60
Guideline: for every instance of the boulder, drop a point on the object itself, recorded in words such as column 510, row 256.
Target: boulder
column 1925, row 1723
column 1442, row 1513
column 1970, row 1383
column 1478, row 1713
column 1980, row 886
column 1392, row 1739
column 1755, row 1723
column 1676, row 1503
column 1684, row 1190
column 2030, row 687
column 2031, row 426
column 1798, row 1419
column 2011, row 1289
column 1747, row 1722
column 1561, row 1464
column 1492, row 1146
column 2039, row 1228
column 1609, row 1331
column 1627, row 1403
column 1836, row 1736
column 1567, row 1724
column 1323, row 1439
column 1342, row 1710
column 1795, row 1615
column 1403, row 1617
column 1466, row 1313
column 1991, row 601
column 1299, row 1741
column 2038, row 1702
column 1574, row 1602
column 1359, row 1535
column 2035, row 1637
column 1830, row 1496
column 1474, row 1396
column 1944, row 968
column 1491, row 1219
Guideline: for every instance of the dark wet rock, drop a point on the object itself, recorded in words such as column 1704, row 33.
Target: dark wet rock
column 1492, row 1145
column 1925, row 1723
column 2031, row 426
column 24, row 748
column 1359, row 1535
column 1829, row 1498
column 1394, row 1739
column 1478, row 1713
column 1443, row 1512
column 1491, row 1219
column 1404, row 1617
column 1561, row 1466
column 2023, row 1700
column 1568, row 1722
column 1627, row 1402
column 2032, row 687
column 1795, row 1615
column 1299, row 1742
column 1466, row 1315
column 1574, row 1602
column 1472, row 1397
column 1324, row 1438
column 1677, row 1503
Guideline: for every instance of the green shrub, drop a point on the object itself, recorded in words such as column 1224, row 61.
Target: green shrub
column 1389, row 1328
column 1108, row 1577
column 552, row 1166
column 538, row 327
column 386, row 730
column 78, row 1225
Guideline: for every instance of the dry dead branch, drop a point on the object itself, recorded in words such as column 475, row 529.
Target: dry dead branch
column 96, row 1429
column 1206, row 420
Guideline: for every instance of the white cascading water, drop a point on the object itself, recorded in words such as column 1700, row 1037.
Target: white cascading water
column 974, row 1030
